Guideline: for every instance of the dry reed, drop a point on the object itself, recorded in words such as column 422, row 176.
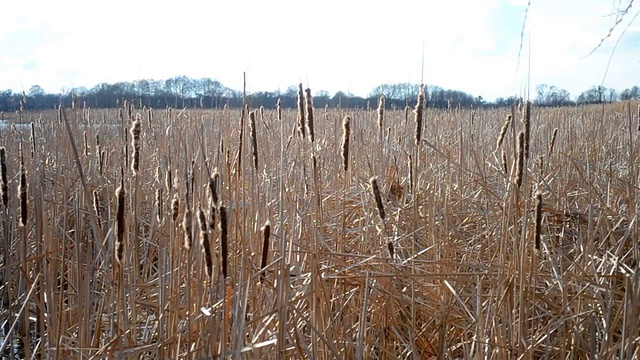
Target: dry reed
column 301, row 117
column 120, row 222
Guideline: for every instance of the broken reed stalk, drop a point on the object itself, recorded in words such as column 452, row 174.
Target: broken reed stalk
column 376, row 193
column 538, row 220
column 120, row 222
column 224, row 245
column 135, row 143
column 4, row 184
column 301, row 117
column 204, row 241
column 553, row 140
column 520, row 159
column 22, row 193
column 254, row 140
column 309, row 117
column 266, row 232
column 419, row 114
column 526, row 120
column 346, row 133
column 503, row 132
column 380, row 112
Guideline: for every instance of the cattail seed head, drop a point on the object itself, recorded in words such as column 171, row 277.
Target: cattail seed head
column 120, row 223
column 301, row 106
column 553, row 140
column 504, row 162
column 168, row 180
column 419, row 114
column 254, row 140
column 86, row 144
column 4, row 185
column 159, row 205
column 309, row 123
column 187, row 226
column 224, row 246
column 96, row 206
column 204, row 241
column 266, row 232
column 390, row 248
column 33, row 139
column 526, row 120
column 538, row 220
column 380, row 112
column 175, row 207
column 135, row 142
column 346, row 133
column 279, row 109
column 22, row 194
column 503, row 132
column 520, row 159
column 376, row 193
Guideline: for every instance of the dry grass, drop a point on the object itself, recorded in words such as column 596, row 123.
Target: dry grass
column 451, row 272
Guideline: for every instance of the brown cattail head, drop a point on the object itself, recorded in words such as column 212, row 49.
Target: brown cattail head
column 204, row 241
column 503, row 132
column 213, row 187
column 279, row 109
column 538, row 219
column 175, row 207
column 187, row 226
column 254, row 140
column 309, row 123
column 301, row 126
column 4, row 185
column 135, row 143
column 96, row 206
column 526, row 120
column 33, row 139
column 390, row 247
column 553, row 140
column 159, row 205
column 380, row 112
column 520, row 159
column 407, row 109
column 168, row 180
column 346, row 133
column 376, row 193
column 86, row 144
column 22, row 194
column 504, row 162
column 120, row 225
column 266, row 232
column 419, row 114
column 224, row 246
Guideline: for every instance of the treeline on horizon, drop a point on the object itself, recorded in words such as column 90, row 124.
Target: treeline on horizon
column 185, row 92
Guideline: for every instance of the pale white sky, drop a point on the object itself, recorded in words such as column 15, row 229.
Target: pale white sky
column 329, row 45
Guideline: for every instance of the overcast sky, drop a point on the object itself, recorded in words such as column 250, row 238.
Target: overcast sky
column 328, row 45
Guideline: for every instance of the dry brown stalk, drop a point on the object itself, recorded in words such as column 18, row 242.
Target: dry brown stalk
column 346, row 133
column 526, row 120
column 96, row 206
column 204, row 241
column 187, row 226
column 505, row 168
column 390, row 248
column 22, row 193
column 86, row 145
column 120, row 222
column 159, row 205
column 279, row 109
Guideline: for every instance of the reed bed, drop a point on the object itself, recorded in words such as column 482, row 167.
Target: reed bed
column 439, row 238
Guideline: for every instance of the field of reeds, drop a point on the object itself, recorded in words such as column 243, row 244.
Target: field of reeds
column 320, row 233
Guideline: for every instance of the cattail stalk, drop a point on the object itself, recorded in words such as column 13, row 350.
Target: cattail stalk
column 520, row 161
column 553, row 140
column 503, row 132
column 301, row 117
column 538, row 220
column 266, row 232
column 213, row 197
column 419, row 114
column 86, row 144
column 204, row 241
column 376, row 193
column 135, row 143
column 4, row 184
column 346, row 133
column 254, row 139
column 240, row 140
column 224, row 246
column 309, row 123
column 33, row 139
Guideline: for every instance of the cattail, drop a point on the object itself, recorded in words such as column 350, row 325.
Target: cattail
column 254, row 139
column 520, row 161
column 390, row 247
column 301, row 106
column 159, row 213
column 103, row 155
column 22, row 194
column 504, row 162
column 86, row 144
column 33, row 139
column 376, row 193
column 407, row 109
column 224, row 249
column 410, row 164
column 168, row 180
column 526, row 120
column 538, row 219
column 204, row 241
column 309, row 124
column 175, row 207
column 540, row 167
column 279, row 109
column 4, row 185
column 119, row 248
column 135, row 143
column 262, row 113
column 380, row 112
column 96, row 206
column 553, row 141
column 346, row 133
column 213, row 197
column 266, row 232
column 187, row 226
column 419, row 111
column 503, row 132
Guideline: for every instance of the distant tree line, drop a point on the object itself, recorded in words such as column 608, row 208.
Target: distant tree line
column 182, row 91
